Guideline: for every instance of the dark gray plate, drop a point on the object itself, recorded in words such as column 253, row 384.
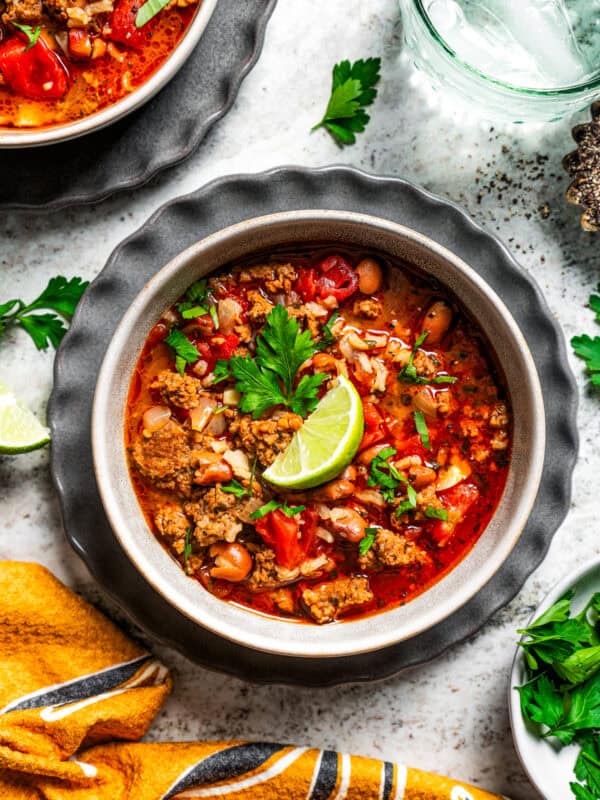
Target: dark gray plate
column 175, row 227
column 162, row 133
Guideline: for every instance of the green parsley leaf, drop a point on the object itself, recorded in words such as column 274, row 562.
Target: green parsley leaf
column 212, row 310
column 541, row 702
column 436, row 513
column 367, row 542
column 352, row 89
column 221, row 371
column 31, row 34
column 180, row 363
column 187, row 551
column 273, row 505
column 594, row 302
column 236, row 488
column 147, row 11
column 183, row 348
column 580, row 665
column 268, row 379
column 582, row 792
column 409, row 374
column 259, row 388
column 587, row 766
column 327, row 337
column 193, row 312
column 589, row 349
column 559, row 612
column 60, row 296
column 583, row 713
column 389, row 480
column 422, row 430
column 198, row 291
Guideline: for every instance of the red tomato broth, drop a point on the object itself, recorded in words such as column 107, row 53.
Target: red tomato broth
column 470, row 358
column 94, row 85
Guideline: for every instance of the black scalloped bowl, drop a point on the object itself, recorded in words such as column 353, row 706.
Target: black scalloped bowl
column 280, row 636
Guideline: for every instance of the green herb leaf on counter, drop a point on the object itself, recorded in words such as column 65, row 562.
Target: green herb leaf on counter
column 409, row 374
column 541, row 702
column 422, row 430
column 185, row 351
column 352, row 89
column 32, row 34
column 367, row 542
column 268, row 379
column 60, row 296
column 587, row 348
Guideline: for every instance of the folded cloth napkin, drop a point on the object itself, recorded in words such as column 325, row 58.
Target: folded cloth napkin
column 76, row 694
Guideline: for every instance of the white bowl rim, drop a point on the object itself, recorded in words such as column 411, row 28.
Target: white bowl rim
column 317, row 646
column 517, row 724
column 33, row 137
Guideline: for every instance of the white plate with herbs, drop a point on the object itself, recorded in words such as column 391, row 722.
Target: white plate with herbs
column 555, row 714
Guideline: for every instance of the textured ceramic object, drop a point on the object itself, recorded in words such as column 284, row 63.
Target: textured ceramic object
column 286, row 637
column 30, row 137
column 177, row 226
column 549, row 769
column 164, row 132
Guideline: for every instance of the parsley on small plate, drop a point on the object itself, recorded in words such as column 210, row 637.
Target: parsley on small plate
column 555, row 690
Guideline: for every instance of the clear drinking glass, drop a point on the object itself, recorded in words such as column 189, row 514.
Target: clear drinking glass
column 513, row 60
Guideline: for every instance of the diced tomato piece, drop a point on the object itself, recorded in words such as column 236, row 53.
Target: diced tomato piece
column 225, row 348
column 80, row 44
column 290, row 539
column 375, row 429
column 36, row 72
column 338, row 280
column 458, row 500
column 306, row 285
column 121, row 26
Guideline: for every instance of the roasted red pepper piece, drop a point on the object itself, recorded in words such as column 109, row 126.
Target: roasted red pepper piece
column 36, row 72
column 306, row 285
column 375, row 429
column 457, row 500
column 121, row 26
column 290, row 540
column 338, row 279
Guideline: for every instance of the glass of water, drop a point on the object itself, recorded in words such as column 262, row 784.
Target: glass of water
column 513, row 60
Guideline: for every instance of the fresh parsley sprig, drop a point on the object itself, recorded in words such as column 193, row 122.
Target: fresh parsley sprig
column 327, row 336
column 589, row 349
column 352, row 90
column 368, row 541
column 385, row 475
column 409, row 374
column 422, row 429
column 268, row 379
column 60, row 296
column 273, row 505
column 562, row 693
column 185, row 351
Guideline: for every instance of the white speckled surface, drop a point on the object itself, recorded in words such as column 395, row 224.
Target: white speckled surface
column 449, row 716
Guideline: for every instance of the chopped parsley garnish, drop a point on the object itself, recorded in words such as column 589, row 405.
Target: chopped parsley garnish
column 409, row 374
column 60, row 296
column 369, row 539
column 562, row 694
column 236, row 488
column 221, row 371
column 422, row 429
column 149, row 10
column 436, row 513
column 352, row 89
column 212, row 310
column 273, row 505
column 32, row 34
column 386, row 476
column 185, row 351
column 268, row 379
column 187, row 551
column 327, row 337
column 193, row 312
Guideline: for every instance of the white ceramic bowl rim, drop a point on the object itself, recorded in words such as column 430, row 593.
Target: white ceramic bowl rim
column 225, row 619
column 32, row 137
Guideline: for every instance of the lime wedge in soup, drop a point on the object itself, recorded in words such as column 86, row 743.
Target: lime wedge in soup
column 325, row 444
column 20, row 430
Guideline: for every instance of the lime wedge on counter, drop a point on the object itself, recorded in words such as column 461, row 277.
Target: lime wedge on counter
column 20, row 430
column 325, row 444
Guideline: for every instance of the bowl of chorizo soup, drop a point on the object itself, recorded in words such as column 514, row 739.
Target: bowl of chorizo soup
column 318, row 433
column 69, row 67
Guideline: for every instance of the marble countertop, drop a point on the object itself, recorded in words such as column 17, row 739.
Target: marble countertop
column 451, row 715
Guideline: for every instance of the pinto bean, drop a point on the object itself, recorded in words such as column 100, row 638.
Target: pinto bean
column 232, row 562
column 348, row 523
column 437, row 321
column 422, row 476
column 425, row 401
column 370, row 276
column 220, row 472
